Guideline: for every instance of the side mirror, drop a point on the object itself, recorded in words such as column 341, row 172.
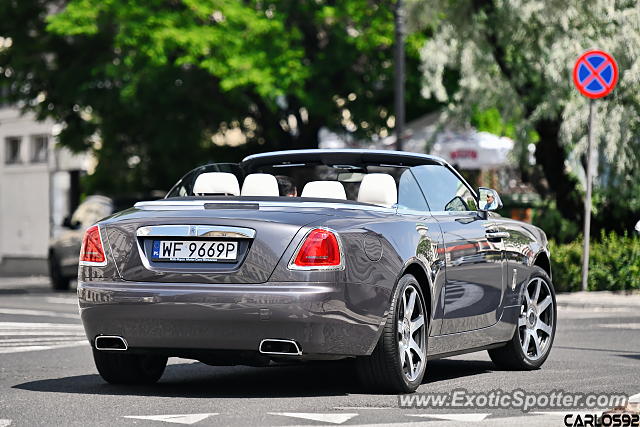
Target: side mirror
column 489, row 199
column 66, row 222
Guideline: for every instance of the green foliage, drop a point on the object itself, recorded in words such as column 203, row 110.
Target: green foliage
column 153, row 86
column 614, row 264
column 490, row 120
column 558, row 228
column 192, row 33
column 517, row 57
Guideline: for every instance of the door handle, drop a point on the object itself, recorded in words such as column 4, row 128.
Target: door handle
column 496, row 235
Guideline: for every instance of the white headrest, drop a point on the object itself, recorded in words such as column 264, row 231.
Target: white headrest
column 378, row 189
column 325, row 190
column 260, row 184
column 216, row 183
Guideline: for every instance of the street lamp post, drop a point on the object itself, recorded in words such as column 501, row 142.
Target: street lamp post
column 398, row 56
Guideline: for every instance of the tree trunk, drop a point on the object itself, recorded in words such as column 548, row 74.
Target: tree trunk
column 551, row 156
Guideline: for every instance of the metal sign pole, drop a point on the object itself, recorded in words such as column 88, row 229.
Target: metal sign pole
column 587, row 203
column 595, row 75
column 399, row 56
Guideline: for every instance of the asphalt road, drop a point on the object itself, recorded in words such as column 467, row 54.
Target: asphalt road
column 47, row 377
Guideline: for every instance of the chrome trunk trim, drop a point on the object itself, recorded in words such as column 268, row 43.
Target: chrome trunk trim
column 195, row 231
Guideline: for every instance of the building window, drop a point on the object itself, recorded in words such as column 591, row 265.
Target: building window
column 12, row 150
column 39, row 148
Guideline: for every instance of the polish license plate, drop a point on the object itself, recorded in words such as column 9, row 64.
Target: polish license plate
column 194, row 251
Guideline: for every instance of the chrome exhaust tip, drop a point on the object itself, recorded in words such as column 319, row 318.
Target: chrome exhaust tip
column 110, row 343
column 280, row 347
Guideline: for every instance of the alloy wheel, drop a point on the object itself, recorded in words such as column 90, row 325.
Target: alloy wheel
column 411, row 330
column 536, row 320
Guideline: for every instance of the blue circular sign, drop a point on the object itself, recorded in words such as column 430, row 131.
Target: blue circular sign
column 595, row 74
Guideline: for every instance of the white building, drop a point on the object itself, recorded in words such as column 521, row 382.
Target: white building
column 35, row 182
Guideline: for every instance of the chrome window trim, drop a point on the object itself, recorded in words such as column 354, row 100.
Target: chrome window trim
column 199, row 204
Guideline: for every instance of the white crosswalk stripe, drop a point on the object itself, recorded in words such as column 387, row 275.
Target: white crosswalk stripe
column 17, row 337
column 39, row 313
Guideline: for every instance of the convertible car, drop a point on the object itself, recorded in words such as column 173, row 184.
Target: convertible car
column 388, row 258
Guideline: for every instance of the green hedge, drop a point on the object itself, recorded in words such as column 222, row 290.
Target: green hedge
column 614, row 264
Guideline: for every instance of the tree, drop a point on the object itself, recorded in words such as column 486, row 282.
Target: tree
column 153, row 87
column 517, row 56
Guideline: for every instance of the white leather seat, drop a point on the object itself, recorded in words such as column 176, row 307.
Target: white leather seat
column 325, row 190
column 216, row 183
column 378, row 189
column 260, row 184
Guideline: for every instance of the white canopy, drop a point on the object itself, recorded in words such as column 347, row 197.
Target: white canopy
column 472, row 149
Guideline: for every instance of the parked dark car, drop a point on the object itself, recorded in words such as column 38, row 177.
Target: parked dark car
column 64, row 249
column 389, row 258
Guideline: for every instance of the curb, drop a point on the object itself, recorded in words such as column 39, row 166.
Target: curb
column 599, row 299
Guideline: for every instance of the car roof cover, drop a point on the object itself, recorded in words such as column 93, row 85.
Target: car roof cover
column 339, row 156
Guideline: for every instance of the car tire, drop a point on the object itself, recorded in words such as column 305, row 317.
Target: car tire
column 534, row 310
column 59, row 282
column 121, row 368
column 395, row 366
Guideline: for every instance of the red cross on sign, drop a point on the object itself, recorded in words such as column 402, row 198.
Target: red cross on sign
column 595, row 74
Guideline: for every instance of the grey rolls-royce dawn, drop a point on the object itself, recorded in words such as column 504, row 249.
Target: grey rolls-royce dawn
column 387, row 258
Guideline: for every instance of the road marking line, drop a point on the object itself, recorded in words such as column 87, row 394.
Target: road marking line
column 18, row 337
column 38, row 325
column 39, row 313
column 563, row 413
column 621, row 325
column 59, row 300
column 31, row 340
column 175, row 419
column 40, row 348
column 43, row 333
column 453, row 417
column 356, row 408
column 5, row 423
column 327, row 418
column 36, row 344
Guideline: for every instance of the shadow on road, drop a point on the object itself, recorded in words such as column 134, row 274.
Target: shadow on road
column 196, row 380
column 630, row 356
column 445, row 369
column 590, row 349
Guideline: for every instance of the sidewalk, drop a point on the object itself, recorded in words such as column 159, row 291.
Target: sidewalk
column 599, row 299
column 12, row 285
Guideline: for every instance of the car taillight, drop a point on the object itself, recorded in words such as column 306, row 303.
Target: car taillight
column 320, row 250
column 92, row 250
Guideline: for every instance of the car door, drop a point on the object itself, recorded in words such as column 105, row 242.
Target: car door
column 474, row 260
column 424, row 240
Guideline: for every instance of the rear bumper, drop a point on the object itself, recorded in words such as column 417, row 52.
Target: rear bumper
column 324, row 318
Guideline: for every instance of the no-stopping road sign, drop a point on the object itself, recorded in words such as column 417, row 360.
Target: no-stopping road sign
column 595, row 74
